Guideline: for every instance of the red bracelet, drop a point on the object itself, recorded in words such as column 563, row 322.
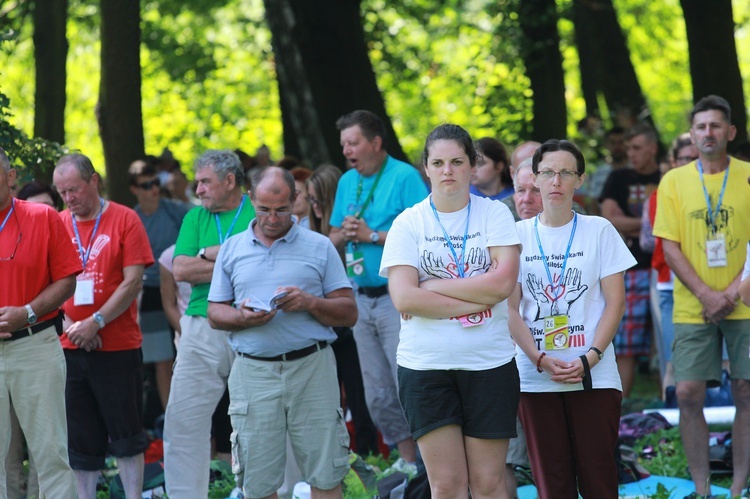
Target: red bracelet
column 539, row 362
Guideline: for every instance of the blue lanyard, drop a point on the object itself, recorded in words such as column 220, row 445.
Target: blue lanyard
column 223, row 237
column 459, row 263
column 85, row 256
column 555, row 287
column 713, row 215
column 12, row 207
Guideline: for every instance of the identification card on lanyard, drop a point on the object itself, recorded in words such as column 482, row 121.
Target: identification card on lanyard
column 556, row 331
column 716, row 251
column 468, row 320
column 716, row 247
column 84, row 294
column 355, row 262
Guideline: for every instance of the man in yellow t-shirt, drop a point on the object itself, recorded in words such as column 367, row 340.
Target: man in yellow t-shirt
column 703, row 217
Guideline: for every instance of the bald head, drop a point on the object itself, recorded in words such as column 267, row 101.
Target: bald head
column 521, row 152
column 273, row 179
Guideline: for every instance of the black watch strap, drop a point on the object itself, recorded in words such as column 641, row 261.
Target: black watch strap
column 587, row 384
column 598, row 352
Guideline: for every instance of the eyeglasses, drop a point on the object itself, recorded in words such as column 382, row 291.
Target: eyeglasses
column 313, row 201
column 18, row 241
column 279, row 212
column 564, row 174
column 150, row 184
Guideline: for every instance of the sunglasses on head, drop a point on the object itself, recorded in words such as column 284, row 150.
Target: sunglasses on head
column 148, row 185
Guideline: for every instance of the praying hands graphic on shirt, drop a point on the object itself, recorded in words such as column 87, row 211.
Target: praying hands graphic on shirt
column 550, row 297
column 476, row 262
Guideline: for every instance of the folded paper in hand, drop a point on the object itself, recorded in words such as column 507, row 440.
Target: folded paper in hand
column 257, row 304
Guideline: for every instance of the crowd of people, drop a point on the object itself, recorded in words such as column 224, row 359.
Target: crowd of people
column 475, row 313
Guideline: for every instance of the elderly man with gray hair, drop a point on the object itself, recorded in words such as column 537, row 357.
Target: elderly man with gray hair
column 204, row 358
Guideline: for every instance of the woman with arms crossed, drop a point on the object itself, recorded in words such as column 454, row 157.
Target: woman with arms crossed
column 571, row 294
column 451, row 261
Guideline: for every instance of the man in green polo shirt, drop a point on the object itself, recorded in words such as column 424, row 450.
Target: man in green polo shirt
column 204, row 357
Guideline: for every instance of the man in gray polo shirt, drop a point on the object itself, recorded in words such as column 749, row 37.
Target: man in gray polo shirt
column 284, row 379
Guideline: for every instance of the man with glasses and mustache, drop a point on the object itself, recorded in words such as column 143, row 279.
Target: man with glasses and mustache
column 162, row 219
column 38, row 265
column 283, row 383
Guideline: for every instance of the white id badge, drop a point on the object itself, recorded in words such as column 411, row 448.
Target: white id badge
column 84, row 294
column 716, row 252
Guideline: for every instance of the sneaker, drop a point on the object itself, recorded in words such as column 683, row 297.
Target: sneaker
column 404, row 467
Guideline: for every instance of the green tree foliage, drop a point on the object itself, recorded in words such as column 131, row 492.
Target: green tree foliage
column 33, row 157
column 209, row 76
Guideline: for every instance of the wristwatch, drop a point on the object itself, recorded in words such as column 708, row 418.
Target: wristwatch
column 99, row 319
column 202, row 254
column 374, row 237
column 30, row 315
column 598, row 352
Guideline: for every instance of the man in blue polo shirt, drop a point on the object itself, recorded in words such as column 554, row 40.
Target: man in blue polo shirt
column 368, row 198
column 284, row 379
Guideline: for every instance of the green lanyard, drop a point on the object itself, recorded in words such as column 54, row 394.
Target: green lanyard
column 372, row 191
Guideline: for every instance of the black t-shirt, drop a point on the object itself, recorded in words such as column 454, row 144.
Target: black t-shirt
column 629, row 189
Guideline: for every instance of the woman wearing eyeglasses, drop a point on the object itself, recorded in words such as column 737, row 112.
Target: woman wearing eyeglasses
column 564, row 312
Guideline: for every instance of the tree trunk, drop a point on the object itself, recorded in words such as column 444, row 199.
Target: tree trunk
column 324, row 71
column 50, row 55
column 605, row 57
column 119, row 108
column 541, row 54
column 713, row 57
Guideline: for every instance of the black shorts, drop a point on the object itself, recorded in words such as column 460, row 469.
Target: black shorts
column 104, row 401
column 483, row 403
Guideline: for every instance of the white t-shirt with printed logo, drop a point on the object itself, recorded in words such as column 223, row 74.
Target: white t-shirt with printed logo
column 597, row 251
column 416, row 239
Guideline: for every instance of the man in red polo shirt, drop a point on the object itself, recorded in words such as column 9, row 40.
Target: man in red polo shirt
column 38, row 265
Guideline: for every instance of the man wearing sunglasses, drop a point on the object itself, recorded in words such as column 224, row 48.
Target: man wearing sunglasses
column 38, row 265
column 162, row 219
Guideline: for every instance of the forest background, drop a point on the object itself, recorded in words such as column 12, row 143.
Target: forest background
column 118, row 79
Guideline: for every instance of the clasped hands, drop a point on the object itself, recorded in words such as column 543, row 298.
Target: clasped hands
column 355, row 230
column 717, row 305
column 85, row 334
column 561, row 371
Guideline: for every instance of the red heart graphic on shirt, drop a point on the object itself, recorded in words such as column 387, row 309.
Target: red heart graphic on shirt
column 554, row 292
column 452, row 269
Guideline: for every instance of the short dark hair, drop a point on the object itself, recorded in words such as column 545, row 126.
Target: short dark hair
column 554, row 145
column 36, row 187
column 454, row 133
column 495, row 150
column 370, row 124
column 81, row 162
column 642, row 129
column 286, row 175
column 615, row 130
column 712, row 103
column 140, row 167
